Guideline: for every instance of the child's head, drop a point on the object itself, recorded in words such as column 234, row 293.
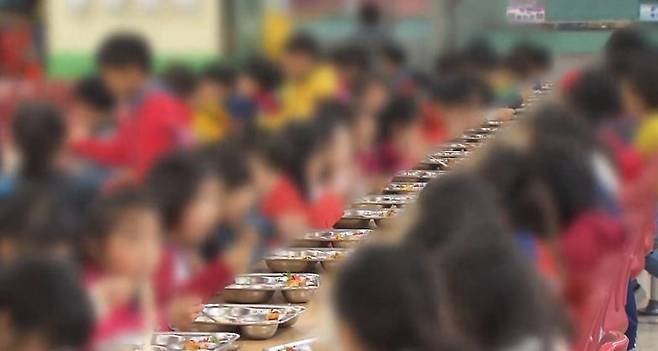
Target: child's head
column 124, row 235
column 259, row 75
column 352, row 62
column 371, row 94
column 369, row 14
column 399, row 123
column 216, row 83
column 529, row 61
column 181, row 80
column 92, row 100
column 622, row 46
column 42, row 307
column 462, row 100
column 125, row 63
column 639, row 91
column 480, row 57
column 188, row 194
column 39, row 133
column 386, row 299
column 446, row 213
column 301, row 156
column 502, row 304
column 334, row 121
column 595, row 97
column 236, row 178
column 302, row 52
column 392, row 59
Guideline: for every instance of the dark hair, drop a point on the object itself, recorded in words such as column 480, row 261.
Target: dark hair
column 180, row 79
column 394, row 53
column 266, row 73
column 125, row 49
column 45, row 297
column 480, row 55
column 369, row 14
column 622, row 48
column 173, row 182
column 108, row 209
column 526, row 56
column 303, row 43
column 460, row 89
column 334, row 111
column 231, row 162
column 388, row 297
column 38, row 220
column 398, row 113
column 595, row 97
column 351, row 55
column 520, row 193
column 92, row 92
column 451, row 207
column 39, row 132
column 219, row 74
column 297, row 144
column 502, row 302
column 642, row 75
column 449, row 63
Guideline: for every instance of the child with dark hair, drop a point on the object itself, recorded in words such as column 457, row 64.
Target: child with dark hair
column 352, row 63
column 307, row 79
column 393, row 66
column 154, row 122
column 399, row 137
column 188, row 193
column 93, row 103
column 180, row 80
column 256, row 98
column 622, row 47
column 530, row 62
column 386, row 299
column 502, row 305
column 212, row 119
column 42, row 307
column 457, row 104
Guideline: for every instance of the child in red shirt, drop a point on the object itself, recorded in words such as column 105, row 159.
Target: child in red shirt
column 150, row 122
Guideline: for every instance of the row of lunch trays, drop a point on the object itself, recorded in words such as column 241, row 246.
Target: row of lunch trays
column 246, row 312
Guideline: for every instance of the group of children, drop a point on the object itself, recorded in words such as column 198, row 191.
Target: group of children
column 144, row 197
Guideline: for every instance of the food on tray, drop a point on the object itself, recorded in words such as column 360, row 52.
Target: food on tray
column 295, row 281
column 273, row 315
column 200, row 343
column 337, row 255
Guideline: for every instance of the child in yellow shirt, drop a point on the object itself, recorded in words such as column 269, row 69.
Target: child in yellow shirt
column 212, row 121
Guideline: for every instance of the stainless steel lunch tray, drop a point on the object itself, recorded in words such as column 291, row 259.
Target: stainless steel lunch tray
column 417, row 175
column 298, row 260
column 175, row 340
column 302, row 345
column 404, row 187
column 371, row 218
column 474, row 138
column 261, row 287
column 386, row 200
column 251, row 321
column 339, row 238
column 457, row 147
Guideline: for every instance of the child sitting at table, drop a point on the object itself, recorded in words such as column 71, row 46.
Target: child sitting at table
column 42, row 307
column 189, row 196
column 386, row 299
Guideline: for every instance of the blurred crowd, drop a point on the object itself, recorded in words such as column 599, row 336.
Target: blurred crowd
column 139, row 200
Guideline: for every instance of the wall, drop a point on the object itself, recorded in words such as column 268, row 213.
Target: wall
column 73, row 37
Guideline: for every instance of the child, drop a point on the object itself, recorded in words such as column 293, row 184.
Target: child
column 392, row 65
column 151, row 122
column 256, row 98
column 399, row 139
column 188, row 194
column 386, row 299
column 307, row 79
column 93, row 104
column 352, row 64
column 212, row 120
column 42, row 307
column 121, row 251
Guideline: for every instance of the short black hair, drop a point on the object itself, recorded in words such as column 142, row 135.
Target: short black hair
column 388, row 297
column 458, row 89
column 230, row 161
column 394, row 53
column 399, row 112
column 174, row 180
column 351, row 55
column 449, row 63
column 642, row 77
column 219, row 74
column 108, row 209
column 125, row 49
column 480, row 55
column 527, row 56
column 595, row 96
column 266, row 73
column 369, row 14
column 303, row 43
column 92, row 92
column 45, row 297
column 180, row 79
column 622, row 48
column 39, row 132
